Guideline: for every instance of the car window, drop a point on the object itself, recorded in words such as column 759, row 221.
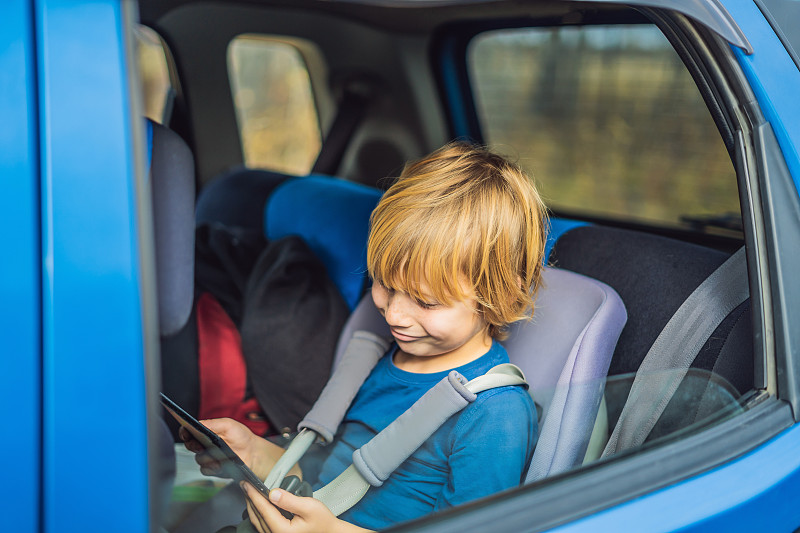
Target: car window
column 154, row 74
column 610, row 123
column 608, row 120
column 275, row 108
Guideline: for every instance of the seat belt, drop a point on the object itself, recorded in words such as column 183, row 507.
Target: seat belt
column 675, row 349
column 356, row 95
column 374, row 462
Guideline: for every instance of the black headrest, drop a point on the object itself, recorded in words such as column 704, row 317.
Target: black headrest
column 654, row 275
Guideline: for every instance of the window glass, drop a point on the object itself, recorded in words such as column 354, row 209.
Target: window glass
column 274, row 102
column 153, row 73
column 607, row 119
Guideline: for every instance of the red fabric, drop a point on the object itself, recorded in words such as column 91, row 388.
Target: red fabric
column 223, row 374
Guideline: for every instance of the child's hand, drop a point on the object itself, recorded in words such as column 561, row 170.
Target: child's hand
column 241, row 440
column 310, row 515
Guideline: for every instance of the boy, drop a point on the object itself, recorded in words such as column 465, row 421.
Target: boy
column 455, row 253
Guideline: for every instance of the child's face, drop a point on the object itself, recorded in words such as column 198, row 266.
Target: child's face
column 428, row 328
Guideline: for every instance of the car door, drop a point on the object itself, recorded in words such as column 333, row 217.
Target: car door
column 73, row 287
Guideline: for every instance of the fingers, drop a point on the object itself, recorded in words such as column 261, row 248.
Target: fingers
column 255, row 517
column 209, row 466
column 189, row 441
column 262, row 513
column 310, row 515
column 296, row 505
column 222, row 426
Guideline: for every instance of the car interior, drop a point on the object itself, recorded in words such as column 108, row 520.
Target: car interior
column 271, row 119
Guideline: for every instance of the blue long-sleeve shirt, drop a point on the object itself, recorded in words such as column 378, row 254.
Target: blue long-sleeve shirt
column 483, row 449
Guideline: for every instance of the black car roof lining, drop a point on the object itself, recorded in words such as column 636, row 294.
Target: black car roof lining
column 710, row 13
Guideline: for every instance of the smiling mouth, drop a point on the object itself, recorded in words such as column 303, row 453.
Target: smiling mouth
column 402, row 337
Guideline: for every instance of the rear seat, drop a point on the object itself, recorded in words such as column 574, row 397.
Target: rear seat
column 281, row 205
column 332, row 216
column 237, row 198
column 651, row 274
column 654, row 275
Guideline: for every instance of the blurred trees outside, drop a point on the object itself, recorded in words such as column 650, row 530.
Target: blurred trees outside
column 606, row 119
column 272, row 95
column 275, row 106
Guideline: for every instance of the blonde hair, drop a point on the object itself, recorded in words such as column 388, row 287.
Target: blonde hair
column 469, row 224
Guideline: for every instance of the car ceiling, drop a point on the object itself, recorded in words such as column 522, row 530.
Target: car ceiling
column 407, row 17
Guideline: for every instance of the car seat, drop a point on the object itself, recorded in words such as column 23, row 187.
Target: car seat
column 654, row 275
column 172, row 185
column 173, row 194
column 171, row 178
column 332, row 216
column 564, row 352
column 237, row 198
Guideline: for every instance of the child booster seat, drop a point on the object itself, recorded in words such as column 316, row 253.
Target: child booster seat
column 374, row 462
column 566, row 350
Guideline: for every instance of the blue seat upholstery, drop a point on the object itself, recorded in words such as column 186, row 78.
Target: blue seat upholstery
column 237, row 198
column 332, row 216
column 565, row 352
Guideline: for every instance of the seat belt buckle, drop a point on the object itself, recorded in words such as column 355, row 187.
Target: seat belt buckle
column 294, row 485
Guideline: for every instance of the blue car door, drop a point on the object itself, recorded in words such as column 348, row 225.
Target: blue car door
column 73, row 340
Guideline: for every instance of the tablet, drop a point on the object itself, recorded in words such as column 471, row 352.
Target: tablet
column 232, row 465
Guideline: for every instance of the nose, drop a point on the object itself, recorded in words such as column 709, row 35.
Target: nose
column 397, row 310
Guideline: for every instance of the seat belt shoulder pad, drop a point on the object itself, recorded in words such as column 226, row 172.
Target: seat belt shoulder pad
column 362, row 354
column 381, row 456
column 374, row 462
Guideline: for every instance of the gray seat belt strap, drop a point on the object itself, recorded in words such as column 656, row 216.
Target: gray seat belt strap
column 322, row 421
column 360, row 357
column 297, row 448
column 677, row 346
column 374, row 462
